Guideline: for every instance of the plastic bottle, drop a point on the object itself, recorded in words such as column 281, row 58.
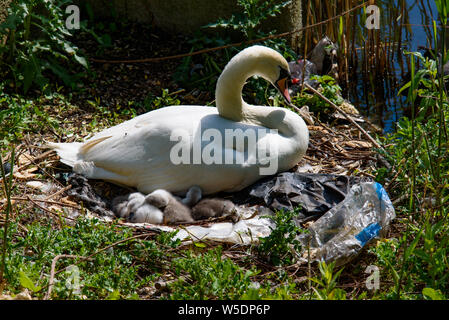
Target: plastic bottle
column 344, row 230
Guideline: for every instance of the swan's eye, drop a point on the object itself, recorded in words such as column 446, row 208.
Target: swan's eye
column 281, row 84
column 284, row 74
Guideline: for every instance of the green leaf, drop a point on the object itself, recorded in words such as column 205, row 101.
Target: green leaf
column 394, row 273
column 82, row 61
column 406, row 86
column 69, row 48
column 432, row 294
column 60, row 71
column 114, row 295
column 199, row 244
column 27, row 283
column 409, row 251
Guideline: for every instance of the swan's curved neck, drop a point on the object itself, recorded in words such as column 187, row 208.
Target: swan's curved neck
column 293, row 132
column 230, row 104
column 228, row 93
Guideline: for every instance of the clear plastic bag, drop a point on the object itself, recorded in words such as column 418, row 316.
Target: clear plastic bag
column 344, row 230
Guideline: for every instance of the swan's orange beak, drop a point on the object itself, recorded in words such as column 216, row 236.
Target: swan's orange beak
column 281, row 85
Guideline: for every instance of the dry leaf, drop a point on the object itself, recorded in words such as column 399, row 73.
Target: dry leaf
column 319, row 129
column 55, row 208
column 24, row 159
column 349, row 108
column 67, row 201
column 26, row 174
column 357, row 144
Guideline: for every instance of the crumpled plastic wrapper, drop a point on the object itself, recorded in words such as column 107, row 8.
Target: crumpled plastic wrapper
column 315, row 193
column 252, row 224
column 343, row 231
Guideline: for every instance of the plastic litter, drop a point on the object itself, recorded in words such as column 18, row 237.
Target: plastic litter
column 315, row 193
column 246, row 231
column 343, row 231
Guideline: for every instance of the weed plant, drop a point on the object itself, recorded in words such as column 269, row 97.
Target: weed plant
column 35, row 42
column 281, row 246
column 202, row 72
column 329, row 88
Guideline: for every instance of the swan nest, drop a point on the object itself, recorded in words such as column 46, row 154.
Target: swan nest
column 42, row 182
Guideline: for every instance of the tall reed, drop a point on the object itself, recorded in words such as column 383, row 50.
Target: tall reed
column 7, row 186
column 366, row 59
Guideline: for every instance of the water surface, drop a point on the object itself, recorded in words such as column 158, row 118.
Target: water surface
column 407, row 25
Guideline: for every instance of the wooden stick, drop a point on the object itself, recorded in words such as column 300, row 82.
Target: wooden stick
column 346, row 116
column 62, row 204
column 53, row 267
column 60, row 191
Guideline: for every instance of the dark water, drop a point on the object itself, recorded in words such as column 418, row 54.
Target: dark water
column 378, row 98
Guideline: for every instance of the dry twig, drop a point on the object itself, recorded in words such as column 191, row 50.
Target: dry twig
column 345, row 115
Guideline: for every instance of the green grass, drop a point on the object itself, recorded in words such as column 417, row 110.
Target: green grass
column 416, row 262
column 29, row 257
column 19, row 115
column 209, row 276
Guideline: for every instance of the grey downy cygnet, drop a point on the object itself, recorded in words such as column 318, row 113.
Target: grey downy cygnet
column 206, row 208
column 134, row 208
column 161, row 206
column 210, row 208
column 174, row 211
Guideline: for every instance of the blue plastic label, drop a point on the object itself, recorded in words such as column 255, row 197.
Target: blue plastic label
column 368, row 233
column 383, row 196
column 380, row 190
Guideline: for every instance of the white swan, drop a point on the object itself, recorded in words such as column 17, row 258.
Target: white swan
column 140, row 151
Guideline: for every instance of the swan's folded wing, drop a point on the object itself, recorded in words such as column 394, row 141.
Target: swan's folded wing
column 91, row 143
column 126, row 151
column 138, row 156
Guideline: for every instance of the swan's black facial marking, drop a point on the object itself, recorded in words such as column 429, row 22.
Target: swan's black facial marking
column 284, row 74
column 281, row 84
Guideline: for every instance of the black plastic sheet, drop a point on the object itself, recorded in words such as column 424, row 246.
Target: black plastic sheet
column 314, row 193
